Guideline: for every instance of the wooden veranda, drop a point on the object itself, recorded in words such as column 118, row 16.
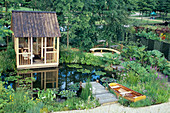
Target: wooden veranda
column 34, row 38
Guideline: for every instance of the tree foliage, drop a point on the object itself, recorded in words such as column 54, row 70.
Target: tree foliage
column 86, row 21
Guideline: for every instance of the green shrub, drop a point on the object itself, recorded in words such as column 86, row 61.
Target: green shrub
column 7, row 59
column 20, row 102
column 47, row 96
column 6, row 95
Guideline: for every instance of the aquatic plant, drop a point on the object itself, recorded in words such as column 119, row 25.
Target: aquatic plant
column 100, row 73
column 74, row 66
column 87, row 91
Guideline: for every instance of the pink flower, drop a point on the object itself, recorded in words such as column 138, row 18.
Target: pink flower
column 151, row 67
column 131, row 59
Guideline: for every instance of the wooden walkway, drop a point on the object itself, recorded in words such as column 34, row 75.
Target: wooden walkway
column 103, row 95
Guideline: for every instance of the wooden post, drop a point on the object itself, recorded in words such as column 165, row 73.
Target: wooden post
column 37, row 45
column 29, row 44
column 45, row 55
column 53, row 43
column 42, row 48
column 57, row 51
column 53, row 49
column 31, row 51
column 17, row 49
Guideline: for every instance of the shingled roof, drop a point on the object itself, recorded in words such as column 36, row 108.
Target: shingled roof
column 35, row 24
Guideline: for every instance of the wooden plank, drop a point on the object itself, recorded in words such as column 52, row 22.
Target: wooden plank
column 40, row 71
column 18, row 29
column 48, row 25
column 41, row 48
column 34, row 22
column 51, row 52
column 45, row 54
column 44, row 25
column 24, row 24
column 31, row 51
column 51, row 25
column 53, row 43
column 29, row 25
column 48, row 47
column 54, row 27
column 37, row 45
column 58, row 50
column 17, row 46
column 29, row 44
column 24, row 53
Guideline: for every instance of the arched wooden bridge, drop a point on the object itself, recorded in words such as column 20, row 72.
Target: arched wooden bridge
column 101, row 50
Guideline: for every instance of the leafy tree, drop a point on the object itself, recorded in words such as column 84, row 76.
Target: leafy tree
column 163, row 6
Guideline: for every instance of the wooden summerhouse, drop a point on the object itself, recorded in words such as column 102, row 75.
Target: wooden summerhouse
column 34, row 35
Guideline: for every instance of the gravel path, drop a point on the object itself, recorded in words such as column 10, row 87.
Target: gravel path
column 117, row 108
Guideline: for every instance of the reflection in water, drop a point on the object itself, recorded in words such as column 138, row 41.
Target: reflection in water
column 60, row 77
column 44, row 78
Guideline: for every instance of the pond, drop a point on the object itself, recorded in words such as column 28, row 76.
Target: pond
column 61, row 77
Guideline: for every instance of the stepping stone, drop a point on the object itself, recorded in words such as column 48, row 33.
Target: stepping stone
column 109, row 100
column 104, row 95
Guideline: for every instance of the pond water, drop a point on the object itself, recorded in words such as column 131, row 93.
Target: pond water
column 63, row 76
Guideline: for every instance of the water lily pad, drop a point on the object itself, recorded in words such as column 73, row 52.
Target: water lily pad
column 84, row 70
column 74, row 66
column 99, row 73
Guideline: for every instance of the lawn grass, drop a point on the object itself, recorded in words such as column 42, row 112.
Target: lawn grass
column 142, row 21
column 157, row 18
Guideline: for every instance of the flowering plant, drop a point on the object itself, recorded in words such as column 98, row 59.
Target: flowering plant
column 163, row 36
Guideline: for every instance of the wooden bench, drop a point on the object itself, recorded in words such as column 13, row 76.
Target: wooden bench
column 101, row 50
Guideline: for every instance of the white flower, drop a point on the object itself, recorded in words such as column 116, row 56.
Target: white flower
column 43, row 97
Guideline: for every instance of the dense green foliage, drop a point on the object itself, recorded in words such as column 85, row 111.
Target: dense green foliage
column 7, row 59
column 153, row 59
column 149, row 35
column 71, row 56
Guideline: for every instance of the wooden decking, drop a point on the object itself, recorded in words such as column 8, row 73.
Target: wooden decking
column 37, row 66
column 103, row 95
